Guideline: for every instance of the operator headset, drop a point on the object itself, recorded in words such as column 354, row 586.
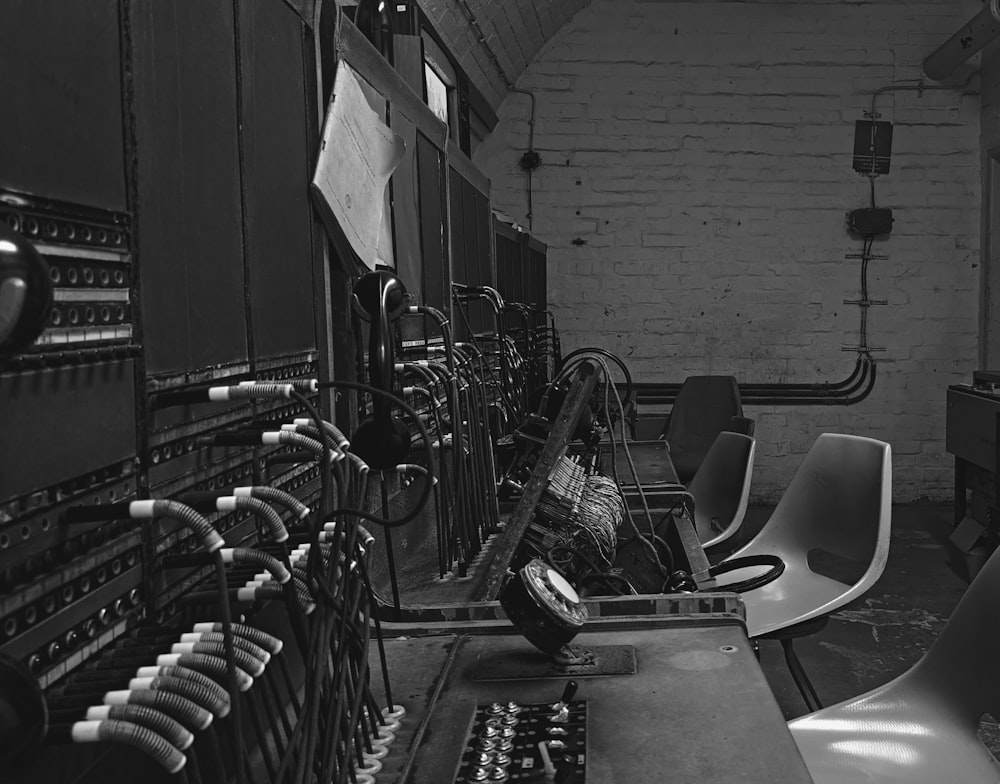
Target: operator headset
column 382, row 440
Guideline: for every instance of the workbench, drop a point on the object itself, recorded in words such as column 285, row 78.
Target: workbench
column 697, row 707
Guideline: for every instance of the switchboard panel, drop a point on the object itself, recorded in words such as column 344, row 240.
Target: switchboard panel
column 180, row 377
column 189, row 214
column 279, row 139
column 434, row 245
column 63, row 131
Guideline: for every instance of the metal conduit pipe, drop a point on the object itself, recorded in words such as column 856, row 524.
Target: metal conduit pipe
column 856, row 387
column 655, row 392
column 828, row 400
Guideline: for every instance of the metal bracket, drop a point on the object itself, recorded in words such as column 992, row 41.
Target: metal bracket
column 869, row 256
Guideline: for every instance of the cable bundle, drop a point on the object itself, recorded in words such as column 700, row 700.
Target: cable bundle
column 602, row 510
column 576, row 521
column 338, row 729
column 560, row 500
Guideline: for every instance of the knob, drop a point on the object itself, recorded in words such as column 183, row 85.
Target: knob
column 568, row 692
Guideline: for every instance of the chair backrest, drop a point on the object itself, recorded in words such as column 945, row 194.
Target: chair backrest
column 721, row 487
column 836, row 511
column 961, row 666
column 703, row 408
column 741, row 424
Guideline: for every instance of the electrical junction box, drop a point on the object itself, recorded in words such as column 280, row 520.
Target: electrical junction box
column 870, row 221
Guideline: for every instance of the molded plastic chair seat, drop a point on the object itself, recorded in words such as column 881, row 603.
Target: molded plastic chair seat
column 836, row 509
column 921, row 727
column 798, row 595
column 721, row 488
column 831, row 529
column 892, row 734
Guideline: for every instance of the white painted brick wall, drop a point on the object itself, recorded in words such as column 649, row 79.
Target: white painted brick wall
column 702, row 152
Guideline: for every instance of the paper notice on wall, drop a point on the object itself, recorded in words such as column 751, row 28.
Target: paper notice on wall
column 358, row 154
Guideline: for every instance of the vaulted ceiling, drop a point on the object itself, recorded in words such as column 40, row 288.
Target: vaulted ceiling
column 494, row 40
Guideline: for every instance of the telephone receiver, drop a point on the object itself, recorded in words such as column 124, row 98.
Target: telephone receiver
column 25, row 292
column 379, row 297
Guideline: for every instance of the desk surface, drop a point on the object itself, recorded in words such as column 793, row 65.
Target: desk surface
column 651, row 459
column 697, row 708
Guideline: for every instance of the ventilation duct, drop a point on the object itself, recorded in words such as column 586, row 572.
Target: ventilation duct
column 967, row 40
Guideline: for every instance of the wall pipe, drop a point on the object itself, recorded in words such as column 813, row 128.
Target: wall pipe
column 853, row 389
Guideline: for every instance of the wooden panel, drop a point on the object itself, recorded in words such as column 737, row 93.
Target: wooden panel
column 971, row 427
column 368, row 62
column 408, row 60
column 189, row 216
column 434, row 250
column 480, row 225
column 471, row 243
column 64, row 423
column 61, row 133
column 537, row 274
column 277, row 171
column 506, row 261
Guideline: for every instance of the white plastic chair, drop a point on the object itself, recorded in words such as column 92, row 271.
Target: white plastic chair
column 919, row 728
column 721, row 488
column 831, row 529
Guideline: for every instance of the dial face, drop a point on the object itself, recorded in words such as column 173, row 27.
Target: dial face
column 562, row 586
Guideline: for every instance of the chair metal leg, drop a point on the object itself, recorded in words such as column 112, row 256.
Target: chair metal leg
column 799, row 676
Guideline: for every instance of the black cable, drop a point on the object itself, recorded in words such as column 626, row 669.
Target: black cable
column 234, row 689
column 606, row 578
column 327, row 457
column 562, row 563
column 650, row 544
column 424, row 437
column 443, row 516
column 497, row 384
column 604, row 353
column 776, row 564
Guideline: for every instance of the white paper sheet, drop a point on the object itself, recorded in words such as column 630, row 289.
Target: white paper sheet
column 358, row 154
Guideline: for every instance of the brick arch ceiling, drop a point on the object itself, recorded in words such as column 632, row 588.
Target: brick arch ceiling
column 494, row 40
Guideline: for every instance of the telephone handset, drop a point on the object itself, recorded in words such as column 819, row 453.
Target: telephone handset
column 25, row 292
column 382, row 441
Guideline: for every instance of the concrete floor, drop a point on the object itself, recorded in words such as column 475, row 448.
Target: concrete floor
column 882, row 634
